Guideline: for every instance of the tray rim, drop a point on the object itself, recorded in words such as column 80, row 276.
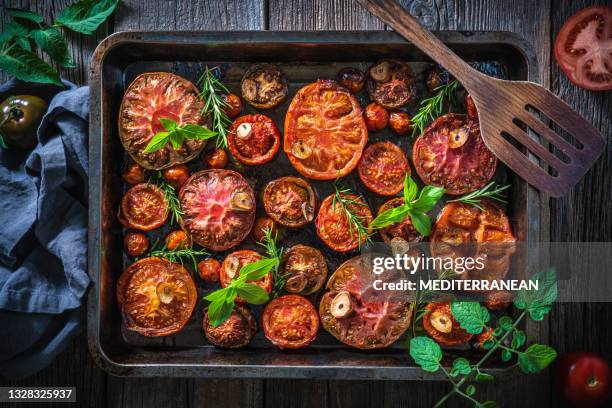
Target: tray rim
column 534, row 206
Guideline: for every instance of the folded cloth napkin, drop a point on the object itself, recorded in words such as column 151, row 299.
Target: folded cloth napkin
column 43, row 232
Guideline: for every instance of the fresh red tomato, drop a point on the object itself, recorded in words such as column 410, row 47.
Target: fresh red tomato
column 253, row 139
column 290, row 321
column 584, row 379
column 583, row 48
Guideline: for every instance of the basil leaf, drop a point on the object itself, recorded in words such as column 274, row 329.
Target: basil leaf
column 217, row 295
column 27, row 66
column 426, row 353
column 51, row 41
column 197, row 132
column 427, row 199
column 390, row 217
column 471, row 316
column 539, row 302
column 536, row 358
column 21, row 14
column 176, row 138
column 219, row 312
column 86, row 16
column 421, row 222
column 168, row 124
column 257, row 270
column 157, row 142
column 461, row 366
column 252, row 293
column 410, row 190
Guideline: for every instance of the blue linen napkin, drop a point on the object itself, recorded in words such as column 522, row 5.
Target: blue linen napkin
column 43, row 232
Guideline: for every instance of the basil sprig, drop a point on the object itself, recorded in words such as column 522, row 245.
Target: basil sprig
column 176, row 135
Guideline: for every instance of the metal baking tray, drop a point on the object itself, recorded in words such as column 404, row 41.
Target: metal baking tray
column 304, row 57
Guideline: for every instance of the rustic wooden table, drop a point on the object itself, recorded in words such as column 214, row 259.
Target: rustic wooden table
column 585, row 214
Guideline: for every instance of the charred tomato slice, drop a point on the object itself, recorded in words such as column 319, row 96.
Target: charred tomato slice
column 324, row 131
column 143, row 207
column 441, row 326
column 391, row 84
column 290, row 321
column 237, row 331
column 230, row 269
column 382, row 168
column 253, row 139
column 304, row 269
column 219, row 208
column 153, row 96
column 156, row 296
column 404, row 229
column 290, row 201
column 264, row 86
column 451, row 154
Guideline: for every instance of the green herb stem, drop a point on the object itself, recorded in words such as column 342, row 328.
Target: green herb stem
column 356, row 222
column 433, row 107
column 212, row 91
column 490, row 191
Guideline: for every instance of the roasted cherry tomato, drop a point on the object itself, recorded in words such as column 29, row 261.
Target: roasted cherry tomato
column 404, row 229
column 400, row 123
column 237, row 331
column 209, row 270
column 143, row 207
column 349, row 313
column 391, row 84
column 584, row 379
column 216, row 159
column 304, row 269
column 290, row 321
column 19, row 119
column 376, row 117
column 177, row 240
column 441, row 326
column 134, row 174
column 261, row 225
column 135, row 243
column 352, row 79
column 264, row 86
column 230, row 269
column 219, row 208
column 176, row 175
column 234, row 105
column 333, row 227
column 153, row 96
column 498, row 300
column 451, row 154
column 156, row 296
column 583, row 50
column 290, row 201
column 383, row 167
column 253, row 139
column 324, row 131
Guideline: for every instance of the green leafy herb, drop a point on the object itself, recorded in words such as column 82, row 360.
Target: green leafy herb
column 51, row 41
column 342, row 200
column 539, row 302
column 212, row 91
column 536, row 358
column 174, row 204
column 176, row 135
column 426, row 353
column 433, row 107
column 27, row 66
column 87, row 15
column 21, row 14
column 490, row 191
column 471, row 316
column 179, row 254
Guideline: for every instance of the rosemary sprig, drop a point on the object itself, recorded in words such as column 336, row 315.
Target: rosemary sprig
column 174, row 205
column 179, row 254
column 491, row 191
column 433, row 107
column 355, row 221
column 211, row 93
column 274, row 252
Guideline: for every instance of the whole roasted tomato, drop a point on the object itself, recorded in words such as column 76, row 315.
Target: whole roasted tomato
column 234, row 105
column 261, row 225
column 216, row 159
column 290, row 321
column 583, row 49
column 404, row 229
column 134, row 174
column 230, row 269
column 584, row 379
column 219, row 208
column 237, row 331
column 440, row 325
column 143, row 207
column 264, row 86
column 135, row 243
column 176, row 175
column 177, row 240
column 400, row 123
column 451, row 154
column 153, row 96
column 391, row 84
column 383, row 167
column 352, row 79
column 304, row 269
column 334, row 228
column 253, row 139
column 290, row 201
column 376, row 117
column 463, row 231
column 324, row 131
column 349, row 315
column 156, row 296
column 209, row 270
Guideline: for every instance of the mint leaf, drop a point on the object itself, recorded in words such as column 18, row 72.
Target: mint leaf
column 168, row 124
column 51, row 41
column 471, row 316
column 390, row 217
column 421, row 222
column 21, row 14
column 484, row 377
column 426, row 353
column 13, row 30
column 86, row 16
column 461, row 366
column 536, row 358
column 258, row 269
column 470, row 389
column 539, row 302
column 427, row 199
column 505, row 323
column 518, row 339
column 27, row 66
column 158, row 142
column 506, row 355
column 410, row 189
column 252, row 293
column 219, row 312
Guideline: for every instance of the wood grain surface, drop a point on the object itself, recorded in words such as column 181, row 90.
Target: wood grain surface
column 585, row 214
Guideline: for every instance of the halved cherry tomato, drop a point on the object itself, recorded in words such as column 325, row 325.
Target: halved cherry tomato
column 156, row 296
column 391, row 83
column 237, row 331
column 135, row 243
column 304, row 269
column 584, row 379
column 440, row 325
column 352, row 79
column 404, row 229
column 230, row 269
column 383, row 167
column 253, row 139
column 583, row 48
column 290, row 201
column 333, row 227
column 290, row 321
column 324, row 131
column 209, row 270
column 400, row 123
column 176, row 175
column 134, row 174
column 143, row 207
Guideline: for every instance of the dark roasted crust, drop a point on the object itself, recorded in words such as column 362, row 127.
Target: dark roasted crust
column 315, row 269
column 282, row 217
column 396, row 92
column 272, row 74
column 133, row 206
column 236, row 332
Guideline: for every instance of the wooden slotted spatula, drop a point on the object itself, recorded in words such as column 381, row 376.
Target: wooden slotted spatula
column 505, row 108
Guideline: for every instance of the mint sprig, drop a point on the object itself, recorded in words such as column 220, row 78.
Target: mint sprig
column 176, row 135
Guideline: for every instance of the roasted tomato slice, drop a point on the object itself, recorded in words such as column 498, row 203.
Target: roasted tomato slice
column 333, row 226
column 219, row 208
column 382, row 168
column 324, row 131
column 351, row 318
column 404, row 229
column 583, row 48
column 253, row 139
column 304, row 269
column 463, row 230
column 290, row 321
column 264, row 86
column 391, row 83
column 156, row 296
column 441, row 326
column 290, row 201
column 451, row 154
column 153, row 96
column 237, row 331
column 143, row 207
column 230, row 269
